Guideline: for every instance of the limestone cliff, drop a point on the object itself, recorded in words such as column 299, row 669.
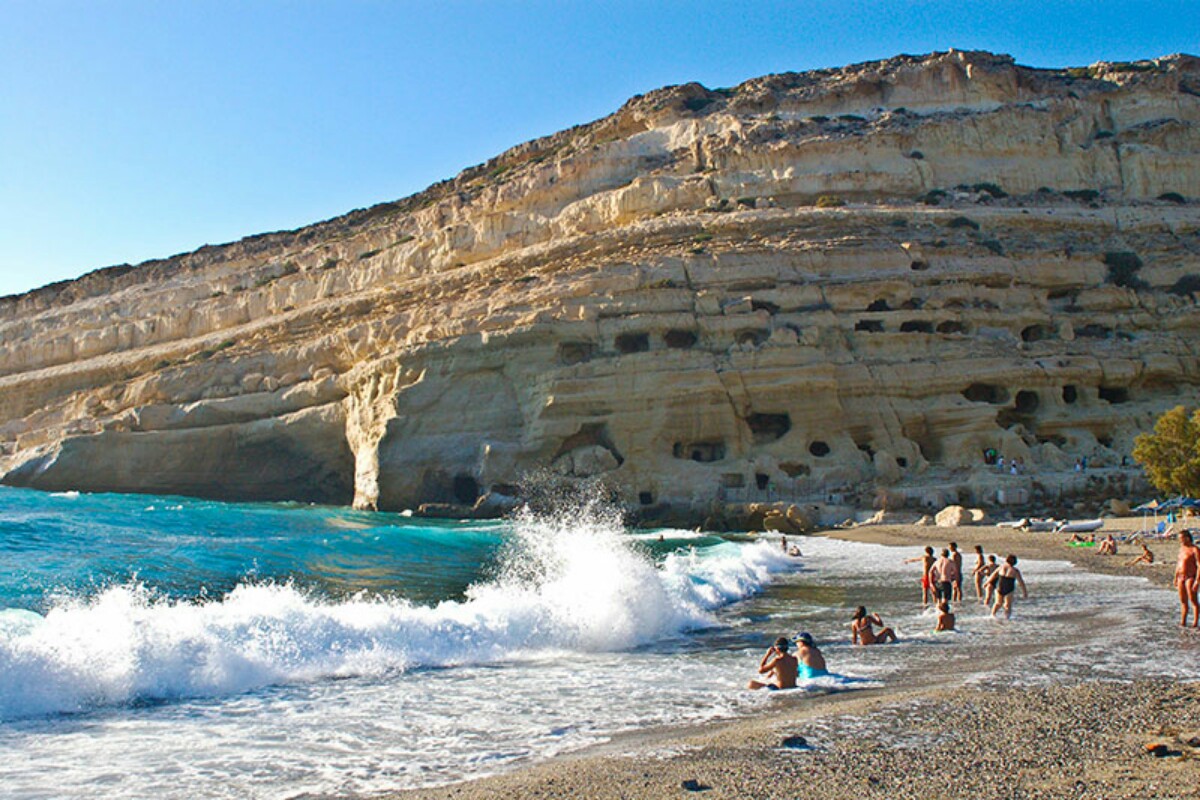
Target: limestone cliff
column 837, row 282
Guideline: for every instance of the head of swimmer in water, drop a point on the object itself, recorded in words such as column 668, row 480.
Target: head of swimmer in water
column 928, row 551
column 945, row 553
column 943, row 606
column 782, row 644
column 991, row 559
column 979, row 549
column 1011, row 561
column 954, row 545
column 860, row 612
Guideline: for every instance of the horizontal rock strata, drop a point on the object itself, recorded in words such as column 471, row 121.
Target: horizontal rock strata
column 846, row 282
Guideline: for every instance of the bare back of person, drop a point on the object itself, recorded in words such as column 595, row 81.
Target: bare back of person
column 781, row 665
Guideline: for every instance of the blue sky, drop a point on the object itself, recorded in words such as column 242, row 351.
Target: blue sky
column 137, row 130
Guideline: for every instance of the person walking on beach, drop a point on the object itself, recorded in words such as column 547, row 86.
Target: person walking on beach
column 978, row 573
column 1187, row 578
column 945, row 618
column 943, row 574
column 780, row 664
column 1006, row 579
column 926, row 584
column 956, row 556
column 812, row 660
column 862, row 628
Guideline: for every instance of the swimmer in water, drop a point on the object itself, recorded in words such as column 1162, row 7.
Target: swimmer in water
column 989, row 588
column 977, row 573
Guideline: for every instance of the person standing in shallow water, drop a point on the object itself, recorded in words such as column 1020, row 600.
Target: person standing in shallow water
column 956, row 556
column 780, row 664
column 926, row 583
column 980, row 572
column 1187, row 578
column 1005, row 579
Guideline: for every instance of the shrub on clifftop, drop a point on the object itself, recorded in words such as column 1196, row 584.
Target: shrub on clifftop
column 1171, row 454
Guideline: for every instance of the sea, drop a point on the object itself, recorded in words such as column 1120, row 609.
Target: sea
column 178, row 648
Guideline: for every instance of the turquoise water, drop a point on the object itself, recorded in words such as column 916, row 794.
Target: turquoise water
column 176, row 648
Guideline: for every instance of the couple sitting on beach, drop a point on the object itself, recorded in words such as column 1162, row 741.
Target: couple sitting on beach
column 784, row 668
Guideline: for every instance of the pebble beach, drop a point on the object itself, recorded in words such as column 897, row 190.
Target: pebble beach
column 1097, row 739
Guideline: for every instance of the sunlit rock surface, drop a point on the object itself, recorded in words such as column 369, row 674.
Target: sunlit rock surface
column 847, row 282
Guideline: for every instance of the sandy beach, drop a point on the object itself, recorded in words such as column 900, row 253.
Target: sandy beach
column 1082, row 741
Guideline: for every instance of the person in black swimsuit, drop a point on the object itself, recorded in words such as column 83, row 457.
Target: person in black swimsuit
column 1005, row 579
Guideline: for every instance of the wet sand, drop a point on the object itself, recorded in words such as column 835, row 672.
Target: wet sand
column 1085, row 741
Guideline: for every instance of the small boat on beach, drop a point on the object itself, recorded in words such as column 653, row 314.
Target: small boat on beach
column 1083, row 526
column 1028, row 524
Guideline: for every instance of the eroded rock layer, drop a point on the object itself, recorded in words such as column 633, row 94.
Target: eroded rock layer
column 848, row 281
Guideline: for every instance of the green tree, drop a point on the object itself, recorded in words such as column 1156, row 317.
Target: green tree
column 1171, row 455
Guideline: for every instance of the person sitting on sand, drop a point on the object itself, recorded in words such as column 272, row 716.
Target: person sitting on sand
column 926, row 584
column 1187, row 578
column 1108, row 546
column 1005, row 579
column 781, row 665
column 945, row 619
column 812, row 661
column 1146, row 557
column 862, row 629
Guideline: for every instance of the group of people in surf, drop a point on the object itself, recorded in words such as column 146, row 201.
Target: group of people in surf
column 942, row 580
column 941, row 583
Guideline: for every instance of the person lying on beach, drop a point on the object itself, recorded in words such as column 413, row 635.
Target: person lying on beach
column 780, row 664
column 1077, row 539
column 926, row 584
column 1005, row 580
column 1146, row 557
column 812, row 660
column 945, row 619
column 1187, row 578
column 862, row 629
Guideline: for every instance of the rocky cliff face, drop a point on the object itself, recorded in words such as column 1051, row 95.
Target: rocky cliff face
column 846, row 281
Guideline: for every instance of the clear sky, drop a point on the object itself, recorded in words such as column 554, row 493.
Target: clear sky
column 136, row 130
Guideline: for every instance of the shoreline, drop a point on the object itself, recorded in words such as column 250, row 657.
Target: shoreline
column 1068, row 741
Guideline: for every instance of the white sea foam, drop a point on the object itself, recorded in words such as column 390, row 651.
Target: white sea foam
column 564, row 584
